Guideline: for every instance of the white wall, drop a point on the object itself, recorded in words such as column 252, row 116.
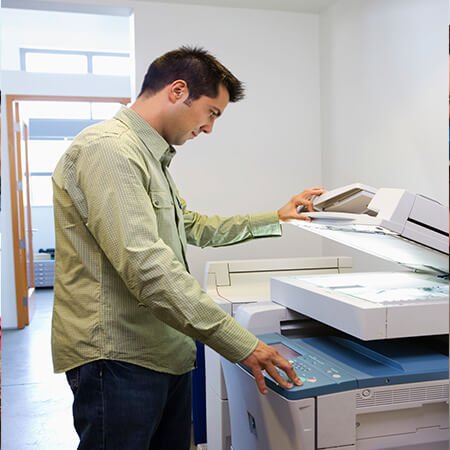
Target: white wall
column 384, row 81
column 38, row 29
column 265, row 148
column 43, row 227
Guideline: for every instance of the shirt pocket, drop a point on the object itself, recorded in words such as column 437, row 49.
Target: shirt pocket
column 165, row 215
column 161, row 200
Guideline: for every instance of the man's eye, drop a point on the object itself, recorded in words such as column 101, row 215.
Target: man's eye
column 213, row 114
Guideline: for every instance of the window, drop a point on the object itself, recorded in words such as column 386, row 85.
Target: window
column 78, row 62
column 110, row 65
column 55, row 63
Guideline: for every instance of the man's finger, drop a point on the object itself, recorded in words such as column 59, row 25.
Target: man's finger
column 287, row 368
column 309, row 206
column 260, row 381
column 290, row 372
column 273, row 372
column 303, row 217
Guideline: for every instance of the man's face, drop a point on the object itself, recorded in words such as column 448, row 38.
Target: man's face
column 192, row 117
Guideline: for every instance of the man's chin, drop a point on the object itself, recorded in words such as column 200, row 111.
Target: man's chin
column 179, row 141
column 185, row 139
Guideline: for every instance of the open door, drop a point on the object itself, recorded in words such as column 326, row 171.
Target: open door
column 28, row 222
column 20, row 212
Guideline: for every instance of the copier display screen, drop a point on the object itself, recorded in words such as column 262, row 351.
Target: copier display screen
column 285, row 351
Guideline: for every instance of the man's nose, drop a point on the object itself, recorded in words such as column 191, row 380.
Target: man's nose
column 207, row 128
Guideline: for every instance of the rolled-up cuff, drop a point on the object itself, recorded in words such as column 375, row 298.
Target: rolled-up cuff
column 265, row 224
column 233, row 341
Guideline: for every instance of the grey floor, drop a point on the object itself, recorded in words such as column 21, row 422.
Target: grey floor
column 36, row 403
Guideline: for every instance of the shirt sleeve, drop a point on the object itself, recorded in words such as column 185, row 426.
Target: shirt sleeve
column 216, row 231
column 110, row 192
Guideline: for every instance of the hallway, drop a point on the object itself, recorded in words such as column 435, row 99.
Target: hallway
column 36, row 403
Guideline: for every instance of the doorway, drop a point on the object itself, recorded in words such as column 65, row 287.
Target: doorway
column 40, row 128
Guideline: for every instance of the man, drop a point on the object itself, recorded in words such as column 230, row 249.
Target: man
column 126, row 309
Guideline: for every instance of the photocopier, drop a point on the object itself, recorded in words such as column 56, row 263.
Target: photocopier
column 376, row 375
column 234, row 284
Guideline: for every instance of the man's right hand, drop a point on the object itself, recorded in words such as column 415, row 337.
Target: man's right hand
column 267, row 358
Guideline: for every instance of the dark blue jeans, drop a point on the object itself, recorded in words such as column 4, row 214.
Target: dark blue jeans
column 121, row 406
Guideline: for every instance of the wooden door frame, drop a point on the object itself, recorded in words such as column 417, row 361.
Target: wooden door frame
column 21, row 280
column 29, row 231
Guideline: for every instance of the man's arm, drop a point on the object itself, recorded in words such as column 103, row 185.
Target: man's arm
column 217, row 231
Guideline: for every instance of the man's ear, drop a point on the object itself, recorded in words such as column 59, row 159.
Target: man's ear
column 178, row 90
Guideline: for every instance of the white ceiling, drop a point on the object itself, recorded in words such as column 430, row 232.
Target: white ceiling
column 309, row 6
column 306, row 6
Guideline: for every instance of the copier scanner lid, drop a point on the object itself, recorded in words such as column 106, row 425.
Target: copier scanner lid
column 393, row 224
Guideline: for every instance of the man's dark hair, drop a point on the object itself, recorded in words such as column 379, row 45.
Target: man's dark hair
column 202, row 72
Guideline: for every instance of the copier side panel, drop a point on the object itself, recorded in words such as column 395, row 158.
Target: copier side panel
column 266, row 422
column 409, row 416
column 218, row 420
column 417, row 320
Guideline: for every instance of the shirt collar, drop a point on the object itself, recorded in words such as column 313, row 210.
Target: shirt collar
column 166, row 158
column 152, row 140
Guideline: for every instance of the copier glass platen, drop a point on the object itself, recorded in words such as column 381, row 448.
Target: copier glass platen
column 380, row 380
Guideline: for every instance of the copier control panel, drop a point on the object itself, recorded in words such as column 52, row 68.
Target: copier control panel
column 333, row 364
column 319, row 373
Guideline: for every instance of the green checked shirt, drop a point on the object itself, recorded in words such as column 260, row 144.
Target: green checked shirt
column 122, row 288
